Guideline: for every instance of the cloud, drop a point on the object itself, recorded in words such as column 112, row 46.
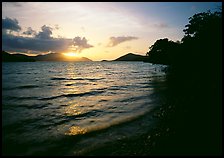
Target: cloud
column 24, row 44
column 56, row 26
column 10, row 24
column 117, row 40
column 80, row 44
column 29, row 31
column 45, row 33
column 38, row 42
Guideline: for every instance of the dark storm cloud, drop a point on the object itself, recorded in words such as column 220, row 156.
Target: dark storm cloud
column 10, row 24
column 117, row 40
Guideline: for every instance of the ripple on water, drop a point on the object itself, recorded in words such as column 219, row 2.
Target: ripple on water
column 70, row 99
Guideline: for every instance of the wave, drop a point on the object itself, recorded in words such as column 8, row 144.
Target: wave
column 70, row 84
column 79, row 83
column 113, row 123
column 27, row 87
column 85, row 114
column 58, row 78
column 21, row 98
column 36, row 106
column 118, row 87
column 20, row 87
column 73, row 95
column 89, row 79
column 132, row 98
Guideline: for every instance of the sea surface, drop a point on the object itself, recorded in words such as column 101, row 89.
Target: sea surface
column 71, row 108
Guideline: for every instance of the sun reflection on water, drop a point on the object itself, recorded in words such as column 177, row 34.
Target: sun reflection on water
column 72, row 111
column 76, row 130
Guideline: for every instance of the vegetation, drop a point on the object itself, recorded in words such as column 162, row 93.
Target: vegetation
column 194, row 84
column 200, row 48
column 163, row 51
column 198, row 57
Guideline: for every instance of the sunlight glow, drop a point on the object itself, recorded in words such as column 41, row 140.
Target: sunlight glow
column 71, row 54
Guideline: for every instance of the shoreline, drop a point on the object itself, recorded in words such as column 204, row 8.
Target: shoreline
column 188, row 123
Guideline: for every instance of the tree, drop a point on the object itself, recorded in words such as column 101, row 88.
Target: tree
column 203, row 39
column 201, row 23
column 194, row 83
column 163, row 51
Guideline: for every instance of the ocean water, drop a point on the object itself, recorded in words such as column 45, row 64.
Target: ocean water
column 70, row 108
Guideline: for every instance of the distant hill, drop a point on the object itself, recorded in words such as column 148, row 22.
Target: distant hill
column 6, row 57
column 106, row 60
column 131, row 57
column 59, row 57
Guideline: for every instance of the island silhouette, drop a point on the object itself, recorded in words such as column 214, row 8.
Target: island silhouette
column 7, row 57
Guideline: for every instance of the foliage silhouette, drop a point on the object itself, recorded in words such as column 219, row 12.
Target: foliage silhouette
column 194, row 81
column 199, row 51
column 163, row 51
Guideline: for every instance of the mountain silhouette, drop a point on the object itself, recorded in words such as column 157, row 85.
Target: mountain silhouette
column 59, row 57
column 7, row 57
column 131, row 57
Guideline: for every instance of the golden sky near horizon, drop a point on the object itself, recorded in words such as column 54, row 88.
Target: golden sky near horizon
column 96, row 30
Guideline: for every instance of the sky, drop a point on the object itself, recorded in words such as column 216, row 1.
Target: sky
column 96, row 30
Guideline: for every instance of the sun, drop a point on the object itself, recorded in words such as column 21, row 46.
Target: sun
column 71, row 54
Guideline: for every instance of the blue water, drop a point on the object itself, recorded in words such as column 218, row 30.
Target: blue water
column 69, row 108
